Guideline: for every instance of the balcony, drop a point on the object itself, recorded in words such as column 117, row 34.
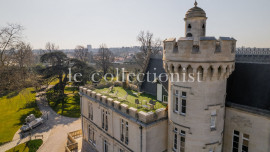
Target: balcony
column 74, row 141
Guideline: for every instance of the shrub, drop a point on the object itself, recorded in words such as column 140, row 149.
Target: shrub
column 33, row 145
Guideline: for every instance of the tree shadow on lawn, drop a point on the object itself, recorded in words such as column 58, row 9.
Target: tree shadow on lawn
column 71, row 89
column 10, row 94
column 130, row 93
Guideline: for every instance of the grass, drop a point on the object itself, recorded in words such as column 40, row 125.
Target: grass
column 132, row 95
column 14, row 108
column 54, row 82
column 30, row 146
column 71, row 103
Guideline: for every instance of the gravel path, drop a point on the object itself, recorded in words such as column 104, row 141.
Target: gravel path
column 54, row 130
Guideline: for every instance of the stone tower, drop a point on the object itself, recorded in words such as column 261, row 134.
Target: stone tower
column 197, row 103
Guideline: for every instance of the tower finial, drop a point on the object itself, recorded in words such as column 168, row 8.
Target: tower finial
column 195, row 3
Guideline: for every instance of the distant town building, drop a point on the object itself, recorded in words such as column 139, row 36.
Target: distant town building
column 89, row 47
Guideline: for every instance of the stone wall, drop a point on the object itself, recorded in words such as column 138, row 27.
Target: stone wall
column 145, row 117
column 255, row 125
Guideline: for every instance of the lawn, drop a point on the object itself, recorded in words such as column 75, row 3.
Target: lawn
column 130, row 100
column 71, row 103
column 30, row 146
column 14, row 107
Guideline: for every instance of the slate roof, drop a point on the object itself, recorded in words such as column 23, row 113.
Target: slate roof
column 249, row 85
column 155, row 66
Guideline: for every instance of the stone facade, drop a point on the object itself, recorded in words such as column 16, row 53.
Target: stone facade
column 251, row 123
column 197, row 106
column 143, row 133
column 197, row 119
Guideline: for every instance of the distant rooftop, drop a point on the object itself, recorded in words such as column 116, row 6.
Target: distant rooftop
column 253, row 55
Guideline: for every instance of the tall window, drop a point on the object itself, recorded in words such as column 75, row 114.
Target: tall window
column 235, row 141
column 175, row 142
column 105, row 146
column 176, row 100
column 213, row 119
column 90, row 111
column 245, row 143
column 182, row 141
column 91, row 135
column 183, row 106
column 104, row 119
column 175, row 139
column 126, row 138
column 180, row 102
column 183, row 103
column 124, row 131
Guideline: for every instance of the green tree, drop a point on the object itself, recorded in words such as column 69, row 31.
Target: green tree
column 58, row 65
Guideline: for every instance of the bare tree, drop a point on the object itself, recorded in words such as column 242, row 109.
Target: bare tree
column 104, row 58
column 50, row 47
column 81, row 53
column 23, row 55
column 147, row 45
column 10, row 36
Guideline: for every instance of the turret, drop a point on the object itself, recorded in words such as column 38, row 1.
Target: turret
column 196, row 107
column 195, row 23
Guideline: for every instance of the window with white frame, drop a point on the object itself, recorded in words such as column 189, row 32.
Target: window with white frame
column 245, row 143
column 104, row 119
column 165, row 98
column 235, row 141
column 90, row 111
column 213, row 119
column 182, row 141
column 105, row 146
column 183, row 103
column 180, row 102
column 183, row 106
column 126, row 135
column 124, row 131
column 91, row 135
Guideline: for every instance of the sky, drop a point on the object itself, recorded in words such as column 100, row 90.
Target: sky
column 117, row 23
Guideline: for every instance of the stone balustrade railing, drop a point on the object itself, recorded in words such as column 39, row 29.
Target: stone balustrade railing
column 145, row 117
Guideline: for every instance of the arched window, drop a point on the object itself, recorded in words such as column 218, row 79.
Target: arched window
column 189, row 35
column 203, row 26
column 189, row 26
